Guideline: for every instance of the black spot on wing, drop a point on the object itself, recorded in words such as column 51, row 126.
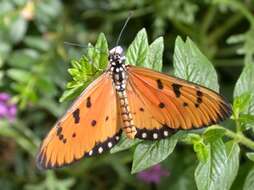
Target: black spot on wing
column 199, row 93
column 93, row 122
column 141, row 109
column 199, row 98
column 75, row 115
column 162, row 105
column 88, row 102
column 159, row 84
column 176, row 89
column 185, row 104
column 59, row 131
column 60, row 137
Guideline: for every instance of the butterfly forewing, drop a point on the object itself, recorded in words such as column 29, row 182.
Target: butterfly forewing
column 91, row 126
column 162, row 104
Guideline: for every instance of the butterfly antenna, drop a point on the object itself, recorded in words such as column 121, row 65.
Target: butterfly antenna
column 83, row 46
column 75, row 44
column 124, row 26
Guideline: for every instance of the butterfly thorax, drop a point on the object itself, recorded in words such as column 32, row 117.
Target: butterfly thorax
column 118, row 72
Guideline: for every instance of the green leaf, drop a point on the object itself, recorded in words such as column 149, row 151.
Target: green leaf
column 71, row 93
column 233, row 159
column 24, row 58
column 150, row 153
column 246, row 119
column 44, row 83
column 198, row 145
column 138, row 50
column 249, row 182
column 201, row 150
column 190, row 64
column 155, row 54
column 18, row 29
column 213, row 133
column 250, row 155
column 124, row 144
column 5, row 48
column 191, row 138
column 241, row 103
column 47, row 12
column 86, row 69
column 19, row 75
column 101, row 52
column 37, row 43
column 220, row 169
column 245, row 85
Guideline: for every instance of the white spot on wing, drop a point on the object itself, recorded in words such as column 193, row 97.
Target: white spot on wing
column 90, row 152
column 165, row 133
column 100, row 150
column 155, row 135
column 144, row 135
column 110, row 144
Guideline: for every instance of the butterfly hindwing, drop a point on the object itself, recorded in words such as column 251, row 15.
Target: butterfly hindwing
column 162, row 104
column 90, row 127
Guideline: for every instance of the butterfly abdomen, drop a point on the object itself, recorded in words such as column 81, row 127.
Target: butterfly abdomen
column 127, row 119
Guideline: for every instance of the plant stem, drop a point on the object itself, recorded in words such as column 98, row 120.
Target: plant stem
column 220, row 31
column 237, row 122
column 208, row 19
column 239, row 137
column 242, row 8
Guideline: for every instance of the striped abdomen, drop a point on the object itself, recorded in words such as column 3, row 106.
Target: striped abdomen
column 128, row 124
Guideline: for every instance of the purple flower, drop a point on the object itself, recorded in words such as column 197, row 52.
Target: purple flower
column 153, row 174
column 8, row 110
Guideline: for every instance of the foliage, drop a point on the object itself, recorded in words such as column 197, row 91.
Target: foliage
column 33, row 70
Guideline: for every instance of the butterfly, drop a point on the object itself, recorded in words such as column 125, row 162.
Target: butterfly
column 140, row 102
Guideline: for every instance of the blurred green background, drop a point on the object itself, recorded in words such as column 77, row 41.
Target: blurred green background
column 33, row 74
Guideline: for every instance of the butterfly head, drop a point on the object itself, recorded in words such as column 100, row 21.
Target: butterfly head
column 116, row 56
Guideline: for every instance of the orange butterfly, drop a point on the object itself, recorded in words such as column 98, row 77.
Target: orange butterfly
column 141, row 102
